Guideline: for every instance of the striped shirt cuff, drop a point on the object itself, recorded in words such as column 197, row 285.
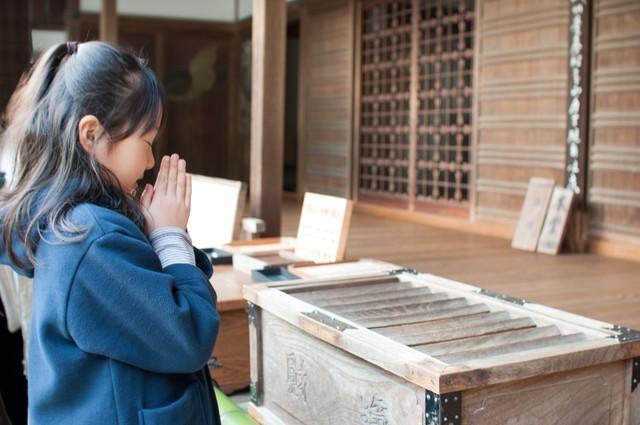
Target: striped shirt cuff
column 173, row 246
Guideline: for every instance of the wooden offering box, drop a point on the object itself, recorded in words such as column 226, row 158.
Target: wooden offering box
column 229, row 365
column 418, row 349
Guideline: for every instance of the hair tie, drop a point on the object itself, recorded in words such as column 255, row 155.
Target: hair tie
column 72, row 47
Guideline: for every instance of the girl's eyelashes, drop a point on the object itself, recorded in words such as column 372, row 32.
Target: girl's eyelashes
column 148, row 143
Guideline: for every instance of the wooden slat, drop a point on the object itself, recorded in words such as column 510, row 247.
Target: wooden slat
column 420, row 310
column 552, row 341
column 487, row 341
column 335, row 288
column 542, row 315
column 400, row 303
column 496, row 369
column 447, row 311
column 418, row 328
column 465, row 332
column 368, row 296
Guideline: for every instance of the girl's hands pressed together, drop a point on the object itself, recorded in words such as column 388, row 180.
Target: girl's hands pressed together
column 168, row 203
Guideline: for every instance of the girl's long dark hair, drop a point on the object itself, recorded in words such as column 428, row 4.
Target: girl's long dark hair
column 53, row 173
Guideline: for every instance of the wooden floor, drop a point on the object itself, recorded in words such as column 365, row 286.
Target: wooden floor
column 594, row 286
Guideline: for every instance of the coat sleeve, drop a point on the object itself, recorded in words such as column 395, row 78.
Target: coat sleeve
column 122, row 305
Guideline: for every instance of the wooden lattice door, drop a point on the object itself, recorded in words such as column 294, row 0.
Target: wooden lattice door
column 415, row 103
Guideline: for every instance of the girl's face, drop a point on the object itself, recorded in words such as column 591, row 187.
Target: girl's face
column 129, row 158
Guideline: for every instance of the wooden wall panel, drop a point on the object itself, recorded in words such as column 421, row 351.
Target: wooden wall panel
column 521, row 86
column 327, row 85
column 614, row 151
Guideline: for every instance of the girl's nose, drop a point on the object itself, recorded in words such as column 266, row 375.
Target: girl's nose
column 151, row 161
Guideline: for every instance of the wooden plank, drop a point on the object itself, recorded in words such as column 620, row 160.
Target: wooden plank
column 331, row 284
column 398, row 303
column 383, row 285
column 407, row 309
column 452, row 334
column 591, row 396
column 532, row 215
column 551, row 341
column 367, row 297
column 485, row 341
column 267, row 111
column 419, row 328
column 441, row 312
column 498, row 369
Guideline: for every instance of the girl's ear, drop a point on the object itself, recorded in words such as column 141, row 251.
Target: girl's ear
column 89, row 129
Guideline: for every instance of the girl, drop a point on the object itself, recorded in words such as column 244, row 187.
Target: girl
column 123, row 317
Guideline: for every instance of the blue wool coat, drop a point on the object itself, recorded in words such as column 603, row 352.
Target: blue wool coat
column 116, row 339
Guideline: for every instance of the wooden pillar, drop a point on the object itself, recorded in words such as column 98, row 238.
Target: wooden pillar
column 269, row 28
column 109, row 21
column 15, row 49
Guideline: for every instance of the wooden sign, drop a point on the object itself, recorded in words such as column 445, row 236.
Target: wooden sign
column 216, row 210
column 324, row 227
column 532, row 215
column 555, row 224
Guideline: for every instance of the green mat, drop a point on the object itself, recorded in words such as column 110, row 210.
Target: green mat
column 230, row 413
